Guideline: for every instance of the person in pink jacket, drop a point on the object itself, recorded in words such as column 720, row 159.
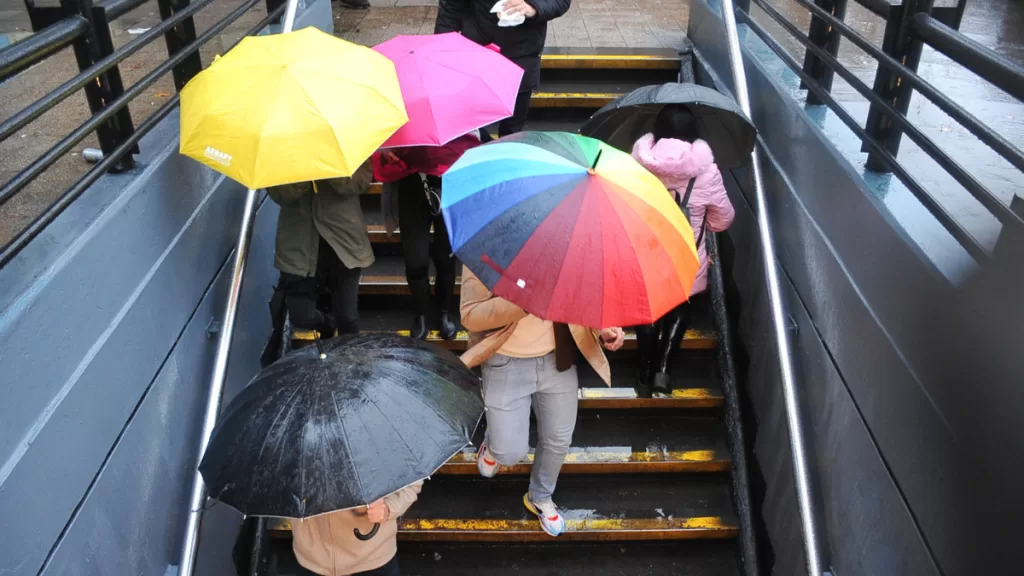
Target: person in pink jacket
column 685, row 165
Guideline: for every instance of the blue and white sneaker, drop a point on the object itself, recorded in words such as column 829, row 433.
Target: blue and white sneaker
column 550, row 518
column 486, row 463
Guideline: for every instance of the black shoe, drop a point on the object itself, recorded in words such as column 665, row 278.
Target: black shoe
column 446, row 326
column 662, row 384
column 355, row 4
column 444, row 287
column 419, row 329
column 421, row 303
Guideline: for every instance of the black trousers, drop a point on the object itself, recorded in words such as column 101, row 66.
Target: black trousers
column 415, row 217
column 658, row 343
column 517, row 121
column 301, row 294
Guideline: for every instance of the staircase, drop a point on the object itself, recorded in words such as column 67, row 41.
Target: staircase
column 642, row 471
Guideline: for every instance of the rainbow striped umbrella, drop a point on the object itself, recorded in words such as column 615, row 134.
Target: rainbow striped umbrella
column 570, row 229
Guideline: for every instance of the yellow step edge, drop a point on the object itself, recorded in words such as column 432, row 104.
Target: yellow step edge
column 610, row 398
column 606, row 461
column 572, row 99
column 610, row 61
column 488, row 530
column 692, row 340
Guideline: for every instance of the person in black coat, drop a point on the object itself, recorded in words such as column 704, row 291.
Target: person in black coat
column 521, row 44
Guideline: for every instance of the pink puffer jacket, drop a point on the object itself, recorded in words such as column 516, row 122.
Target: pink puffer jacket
column 675, row 162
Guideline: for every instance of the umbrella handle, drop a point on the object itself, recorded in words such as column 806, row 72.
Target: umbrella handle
column 365, row 537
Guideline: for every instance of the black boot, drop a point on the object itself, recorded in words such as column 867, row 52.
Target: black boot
column 444, row 286
column 671, row 335
column 421, row 302
column 645, row 342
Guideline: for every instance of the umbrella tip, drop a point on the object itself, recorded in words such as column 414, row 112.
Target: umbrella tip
column 323, row 356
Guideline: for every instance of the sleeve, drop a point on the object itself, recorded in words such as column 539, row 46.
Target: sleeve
column 400, row 501
column 481, row 310
column 548, row 9
column 450, row 14
column 289, row 193
column 355, row 185
column 720, row 212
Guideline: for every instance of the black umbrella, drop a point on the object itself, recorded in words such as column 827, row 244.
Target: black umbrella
column 322, row 431
column 722, row 124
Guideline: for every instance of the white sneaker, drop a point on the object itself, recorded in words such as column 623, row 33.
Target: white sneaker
column 486, row 463
column 550, row 518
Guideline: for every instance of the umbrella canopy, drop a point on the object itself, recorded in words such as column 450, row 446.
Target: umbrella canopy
column 313, row 434
column 451, row 85
column 290, row 108
column 570, row 229
column 722, row 124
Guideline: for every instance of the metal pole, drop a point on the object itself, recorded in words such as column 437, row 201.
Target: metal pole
column 190, row 546
column 805, row 496
column 220, row 369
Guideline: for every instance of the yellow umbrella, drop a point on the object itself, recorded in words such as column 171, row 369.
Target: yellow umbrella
column 291, row 108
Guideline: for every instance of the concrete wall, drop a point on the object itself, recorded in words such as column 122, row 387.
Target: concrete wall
column 105, row 358
column 893, row 451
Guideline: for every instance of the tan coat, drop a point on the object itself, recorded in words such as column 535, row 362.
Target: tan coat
column 491, row 320
column 326, row 545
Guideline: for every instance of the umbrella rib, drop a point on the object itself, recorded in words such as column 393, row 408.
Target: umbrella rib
column 277, row 417
column 420, row 400
column 489, row 87
column 348, row 444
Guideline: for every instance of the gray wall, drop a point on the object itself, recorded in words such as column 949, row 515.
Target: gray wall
column 897, row 459
column 105, row 360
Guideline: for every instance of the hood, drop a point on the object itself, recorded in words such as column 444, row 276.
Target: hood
column 673, row 161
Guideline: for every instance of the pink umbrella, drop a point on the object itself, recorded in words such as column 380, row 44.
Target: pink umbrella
column 451, row 86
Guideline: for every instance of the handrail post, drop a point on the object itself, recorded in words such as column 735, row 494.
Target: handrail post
column 899, row 43
column 827, row 38
column 177, row 38
column 804, row 485
column 190, row 545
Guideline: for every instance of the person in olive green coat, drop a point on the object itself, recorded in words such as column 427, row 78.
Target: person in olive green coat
column 322, row 241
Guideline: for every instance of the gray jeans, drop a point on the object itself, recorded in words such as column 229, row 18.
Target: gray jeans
column 511, row 386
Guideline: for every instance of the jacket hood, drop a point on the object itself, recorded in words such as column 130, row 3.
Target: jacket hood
column 673, row 161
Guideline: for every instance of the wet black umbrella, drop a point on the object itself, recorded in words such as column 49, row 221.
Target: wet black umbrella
column 317, row 432
column 723, row 125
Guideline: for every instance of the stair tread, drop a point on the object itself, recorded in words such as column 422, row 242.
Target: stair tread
column 706, row 558
column 700, row 337
column 614, row 443
column 611, row 58
column 629, row 507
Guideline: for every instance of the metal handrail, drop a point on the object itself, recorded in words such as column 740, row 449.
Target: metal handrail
column 993, row 139
column 40, row 46
column 880, row 153
column 970, row 54
column 25, row 176
column 956, row 229
column 215, row 395
column 797, row 437
column 62, row 92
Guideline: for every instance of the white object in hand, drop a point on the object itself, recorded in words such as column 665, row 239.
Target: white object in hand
column 506, row 20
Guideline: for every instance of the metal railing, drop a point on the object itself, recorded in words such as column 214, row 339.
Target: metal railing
column 909, row 26
column 86, row 28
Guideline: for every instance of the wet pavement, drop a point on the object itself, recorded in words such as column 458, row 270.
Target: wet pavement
column 998, row 24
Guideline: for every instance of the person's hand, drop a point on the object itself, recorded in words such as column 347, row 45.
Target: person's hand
column 390, row 156
column 378, row 512
column 513, row 7
column 613, row 338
